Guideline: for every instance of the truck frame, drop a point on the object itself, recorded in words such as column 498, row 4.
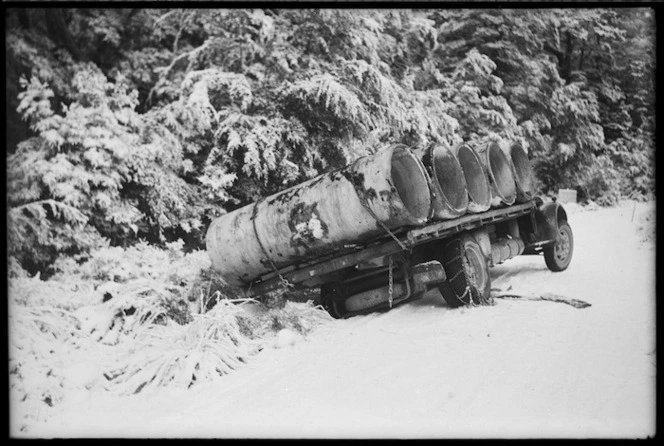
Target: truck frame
column 453, row 255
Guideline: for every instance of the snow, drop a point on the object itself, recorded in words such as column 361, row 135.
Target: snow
column 285, row 338
column 83, row 375
column 517, row 369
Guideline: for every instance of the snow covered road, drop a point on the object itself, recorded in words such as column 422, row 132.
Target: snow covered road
column 515, row 369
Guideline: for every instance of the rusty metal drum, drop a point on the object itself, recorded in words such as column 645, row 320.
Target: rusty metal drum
column 477, row 182
column 523, row 173
column 388, row 189
column 448, row 183
column 499, row 171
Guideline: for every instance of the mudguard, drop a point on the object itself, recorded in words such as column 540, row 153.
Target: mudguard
column 547, row 217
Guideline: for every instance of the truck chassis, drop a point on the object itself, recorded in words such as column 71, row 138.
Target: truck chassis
column 453, row 255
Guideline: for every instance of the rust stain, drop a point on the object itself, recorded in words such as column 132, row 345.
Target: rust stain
column 385, row 195
column 306, row 225
column 368, row 194
column 357, row 180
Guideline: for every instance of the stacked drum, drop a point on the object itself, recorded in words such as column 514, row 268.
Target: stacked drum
column 392, row 189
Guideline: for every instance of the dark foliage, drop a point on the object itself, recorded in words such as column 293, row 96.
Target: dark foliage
column 145, row 124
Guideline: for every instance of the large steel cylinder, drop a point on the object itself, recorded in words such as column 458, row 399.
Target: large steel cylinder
column 371, row 298
column 506, row 249
column 477, row 182
column 499, row 171
column 523, row 173
column 448, row 184
column 321, row 215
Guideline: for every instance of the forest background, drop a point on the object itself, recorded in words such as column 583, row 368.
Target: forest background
column 134, row 128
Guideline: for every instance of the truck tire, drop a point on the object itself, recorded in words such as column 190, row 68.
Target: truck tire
column 559, row 256
column 467, row 270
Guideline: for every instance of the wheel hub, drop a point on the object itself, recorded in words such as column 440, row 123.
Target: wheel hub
column 472, row 268
column 562, row 247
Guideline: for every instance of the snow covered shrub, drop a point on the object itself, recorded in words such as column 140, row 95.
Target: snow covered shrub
column 634, row 161
column 40, row 337
column 97, row 171
column 135, row 307
column 14, row 268
column 185, row 276
column 300, row 317
column 33, row 292
column 211, row 345
column 600, row 182
column 140, row 261
column 141, row 285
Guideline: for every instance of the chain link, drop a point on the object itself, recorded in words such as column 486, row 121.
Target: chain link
column 284, row 282
column 463, row 272
column 469, row 277
column 472, row 295
column 391, row 284
column 399, row 242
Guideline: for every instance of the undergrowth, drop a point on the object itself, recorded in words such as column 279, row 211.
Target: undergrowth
column 134, row 319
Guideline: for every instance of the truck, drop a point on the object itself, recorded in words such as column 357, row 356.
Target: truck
column 392, row 226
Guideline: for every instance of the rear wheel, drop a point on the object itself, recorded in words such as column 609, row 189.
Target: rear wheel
column 467, row 272
column 559, row 256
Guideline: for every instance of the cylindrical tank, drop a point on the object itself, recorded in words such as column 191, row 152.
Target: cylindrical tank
column 499, row 171
column 506, row 249
column 371, row 298
column 523, row 173
column 477, row 182
column 321, row 215
column 448, row 184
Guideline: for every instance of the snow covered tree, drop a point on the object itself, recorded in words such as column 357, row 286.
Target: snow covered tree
column 133, row 124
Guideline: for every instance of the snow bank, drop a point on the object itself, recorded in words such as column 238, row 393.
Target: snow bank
column 518, row 369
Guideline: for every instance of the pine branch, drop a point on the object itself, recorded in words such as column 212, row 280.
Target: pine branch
column 189, row 55
column 71, row 215
column 164, row 17
column 183, row 23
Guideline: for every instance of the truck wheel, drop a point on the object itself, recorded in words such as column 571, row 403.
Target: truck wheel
column 559, row 256
column 467, row 272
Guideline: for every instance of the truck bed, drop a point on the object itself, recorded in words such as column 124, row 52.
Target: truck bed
column 384, row 246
